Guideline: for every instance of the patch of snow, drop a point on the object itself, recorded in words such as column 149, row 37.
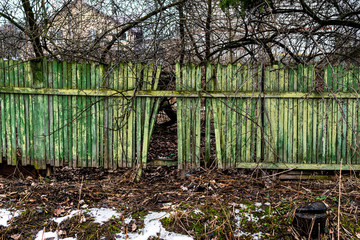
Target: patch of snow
column 50, row 235
column 243, row 206
column 255, row 236
column 258, row 204
column 47, row 235
column 153, row 228
column 249, row 216
column 6, row 215
column 61, row 219
column 197, row 211
column 101, row 215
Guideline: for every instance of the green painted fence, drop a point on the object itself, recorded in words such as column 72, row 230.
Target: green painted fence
column 89, row 115
column 274, row 117
column 70, row 116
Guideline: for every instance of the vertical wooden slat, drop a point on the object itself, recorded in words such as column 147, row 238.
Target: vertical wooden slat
column 238, row 115
column 281, row 117
column 2, row 113
column 217, row 124
column 126, row 118
column 234, row 113
column 131, row 119
column 121, row 144
column 139, row 115
column 74, row 139
column 56, row 125
column 179, row 116
column 197, row 87
column 11, row 114
column 146, row 127
column 188, row 113
column 65, row 112
column 22, row 116
column 61, row 113
column 94, row 126
column 209, row 87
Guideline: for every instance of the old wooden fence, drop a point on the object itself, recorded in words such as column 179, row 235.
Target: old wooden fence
column 88, row 115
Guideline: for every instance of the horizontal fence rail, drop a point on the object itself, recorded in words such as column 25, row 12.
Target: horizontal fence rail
column 88, row 115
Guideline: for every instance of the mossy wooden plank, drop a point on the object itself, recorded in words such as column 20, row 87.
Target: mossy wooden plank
column 146, row 127
column 56, row 128
column 349, row 133
column 51, row 126
column 16, row 105
column 321, row 132
column 197, row 87
column 82, row 115
column 28, row 111
column 88, row 104
column 290, row 132
column 285, row 75
column 300, row 151
column 114, row 125
column 238, row 105
column 100, row 82
column 217, row 118
column 274, row 115
column 312, row 125
column 334, row 133
column 208, row 87
column 339, row 133
column 65, row 114
column 2, row 112
column 131, row 119
column 61, row 113
column 355, row 142
column 11, row 127
column 110, row 119
column 285, row 132
column 21, row 117
column 188, row 121
column 234, row 113
column 179, row 117
column 305, row 131
column 121, row 117
column 140, row 118
column 74, row 123
column 344, row 122
column 126, row 117
column 39, row 140
column 229, row 125
column 281, row 116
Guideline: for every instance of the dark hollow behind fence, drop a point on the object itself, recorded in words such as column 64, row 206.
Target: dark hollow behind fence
column 88, row 115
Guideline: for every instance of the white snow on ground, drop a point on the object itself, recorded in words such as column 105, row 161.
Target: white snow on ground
column 100, row 215
column 50, row 235
column 255, row 236
column 6, row 216
column 103, row 215
column 153, row 228
column 250, row 218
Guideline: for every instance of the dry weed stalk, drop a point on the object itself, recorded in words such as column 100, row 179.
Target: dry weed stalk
column 339, row 203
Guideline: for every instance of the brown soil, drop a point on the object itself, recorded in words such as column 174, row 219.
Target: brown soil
column 67, row 189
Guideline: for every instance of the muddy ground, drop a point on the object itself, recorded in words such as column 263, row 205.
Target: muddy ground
column 214, row 192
